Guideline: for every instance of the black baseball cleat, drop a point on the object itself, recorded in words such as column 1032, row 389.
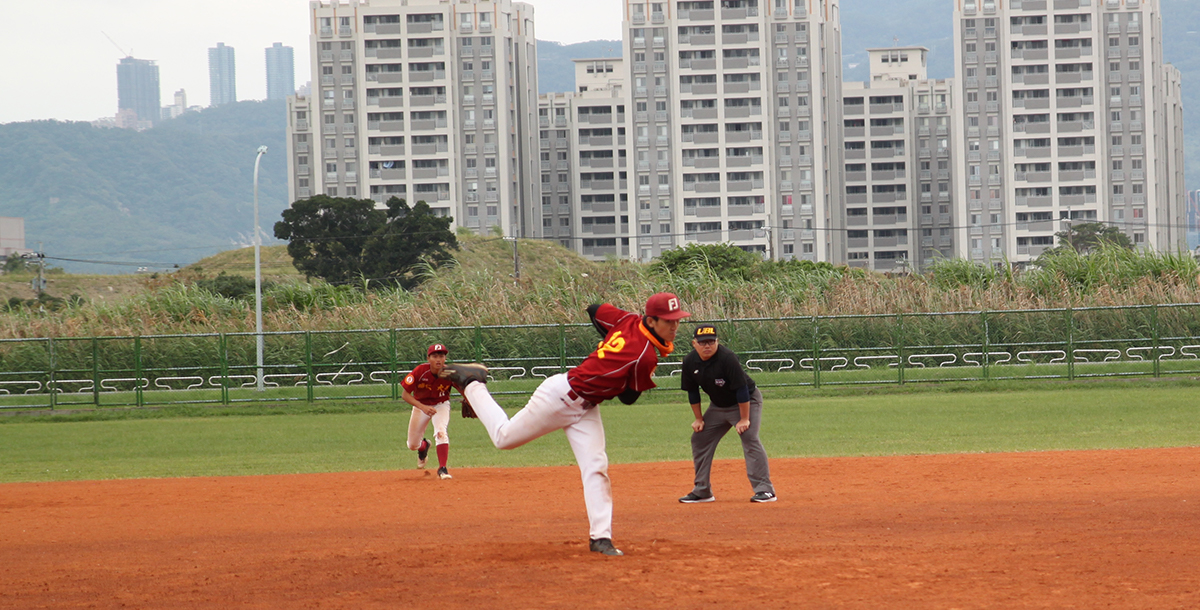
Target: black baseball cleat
column 423, row 453
column 692, row 498
column 605, row 546
column 461, row 374
column 764, row 496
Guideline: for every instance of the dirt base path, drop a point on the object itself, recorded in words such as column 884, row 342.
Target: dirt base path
column 1037, row 530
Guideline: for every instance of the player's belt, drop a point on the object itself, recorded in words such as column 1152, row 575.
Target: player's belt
column 583, row 402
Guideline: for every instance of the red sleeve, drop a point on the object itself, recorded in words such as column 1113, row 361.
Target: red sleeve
column 608, row 316
column 410, row 380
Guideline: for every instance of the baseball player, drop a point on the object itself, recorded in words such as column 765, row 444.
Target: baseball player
column 429, row 395
column 735, row 402
column 620, row 367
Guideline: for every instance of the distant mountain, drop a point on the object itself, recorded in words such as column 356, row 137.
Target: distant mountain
column 556, row 70
column 168, row 195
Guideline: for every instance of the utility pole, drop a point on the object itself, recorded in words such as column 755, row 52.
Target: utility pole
column 39, row 282
column 516, row 260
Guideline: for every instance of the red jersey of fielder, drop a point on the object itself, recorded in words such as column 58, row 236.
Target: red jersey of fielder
column 625, row 359
column 427, row 388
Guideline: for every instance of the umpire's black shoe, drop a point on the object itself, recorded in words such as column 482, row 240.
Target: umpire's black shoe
column 461, row 374
column 692, row 498
column 764, row 496
column 605, row 547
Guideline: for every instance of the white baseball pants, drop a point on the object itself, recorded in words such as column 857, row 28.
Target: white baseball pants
column 418, row 422
column 550, row 409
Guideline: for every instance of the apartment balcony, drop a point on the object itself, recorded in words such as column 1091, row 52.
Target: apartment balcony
column 425, row 52
column 428, row 149
column 884, row 153
column 1033, row 177
column 1076, row 151
column 1031, row 54
column 886, row 108
column 1035, row 202
column 1071, row 200
column 391, row 174
column 1077, row 175
column 428, row 124
column 888, row 130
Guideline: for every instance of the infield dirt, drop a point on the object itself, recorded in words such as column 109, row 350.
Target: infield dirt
column 1034, row 530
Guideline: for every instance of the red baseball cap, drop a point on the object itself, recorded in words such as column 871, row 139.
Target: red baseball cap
column 436, row 348
column 666, row 306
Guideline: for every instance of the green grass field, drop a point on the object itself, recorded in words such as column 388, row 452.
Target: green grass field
column 333, row 436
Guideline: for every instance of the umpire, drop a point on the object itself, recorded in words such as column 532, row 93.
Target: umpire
column 735, row 402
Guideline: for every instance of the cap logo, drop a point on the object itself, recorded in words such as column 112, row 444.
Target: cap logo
column 706, row 331
column 673, row 304
column 439, row 348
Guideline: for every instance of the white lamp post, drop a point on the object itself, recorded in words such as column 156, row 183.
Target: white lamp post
column 262, row 150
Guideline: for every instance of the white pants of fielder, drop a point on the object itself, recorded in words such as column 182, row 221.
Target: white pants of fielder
column 550, row 409
column 418, row 423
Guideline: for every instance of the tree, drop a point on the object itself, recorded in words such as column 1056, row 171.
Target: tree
column 1088, row 236
column 409, row 238
column 344, row 240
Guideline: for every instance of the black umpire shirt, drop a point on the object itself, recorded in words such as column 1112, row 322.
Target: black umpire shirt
column 719, row 376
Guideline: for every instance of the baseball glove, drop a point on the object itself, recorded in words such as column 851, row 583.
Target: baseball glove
column 467, row 409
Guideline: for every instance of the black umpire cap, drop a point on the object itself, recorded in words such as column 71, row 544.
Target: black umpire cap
column 705, row 332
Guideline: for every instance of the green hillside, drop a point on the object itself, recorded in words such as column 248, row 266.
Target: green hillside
column 157, row 198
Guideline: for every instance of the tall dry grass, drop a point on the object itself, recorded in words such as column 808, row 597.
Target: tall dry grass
column 557, row 290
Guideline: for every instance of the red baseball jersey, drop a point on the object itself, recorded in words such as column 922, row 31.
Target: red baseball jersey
column 427, row 388
column 625, row 359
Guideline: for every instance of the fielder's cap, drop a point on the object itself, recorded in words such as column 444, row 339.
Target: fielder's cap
column 705, row 332
column 666, row 306
column 436, row 348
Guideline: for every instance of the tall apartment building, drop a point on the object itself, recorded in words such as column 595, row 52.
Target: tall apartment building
column 901, row 165
column 222, row 75
column 734, row 121
column 583, row 158
column 281, row 72
column 1070, row 116
column 432, row 100
column 138, row 90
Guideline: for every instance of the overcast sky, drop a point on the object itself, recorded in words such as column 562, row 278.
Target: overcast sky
column 59, row 65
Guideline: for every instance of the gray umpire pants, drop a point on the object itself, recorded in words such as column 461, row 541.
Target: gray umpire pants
column 717, row 422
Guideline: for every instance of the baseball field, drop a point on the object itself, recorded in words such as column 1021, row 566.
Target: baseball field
column 1076, row 495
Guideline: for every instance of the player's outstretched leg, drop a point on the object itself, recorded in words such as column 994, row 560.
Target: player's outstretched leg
column 542, row 415
column 462, row 374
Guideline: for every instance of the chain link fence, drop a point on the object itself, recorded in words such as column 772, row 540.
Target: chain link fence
column 222, row 369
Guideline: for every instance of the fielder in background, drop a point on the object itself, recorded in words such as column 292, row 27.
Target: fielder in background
column 620, row 367
column 429, row 395
column 735, row 402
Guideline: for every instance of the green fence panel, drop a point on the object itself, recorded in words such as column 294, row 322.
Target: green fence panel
column 367, row 364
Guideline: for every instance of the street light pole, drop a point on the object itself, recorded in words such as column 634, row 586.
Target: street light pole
column 258, row 325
